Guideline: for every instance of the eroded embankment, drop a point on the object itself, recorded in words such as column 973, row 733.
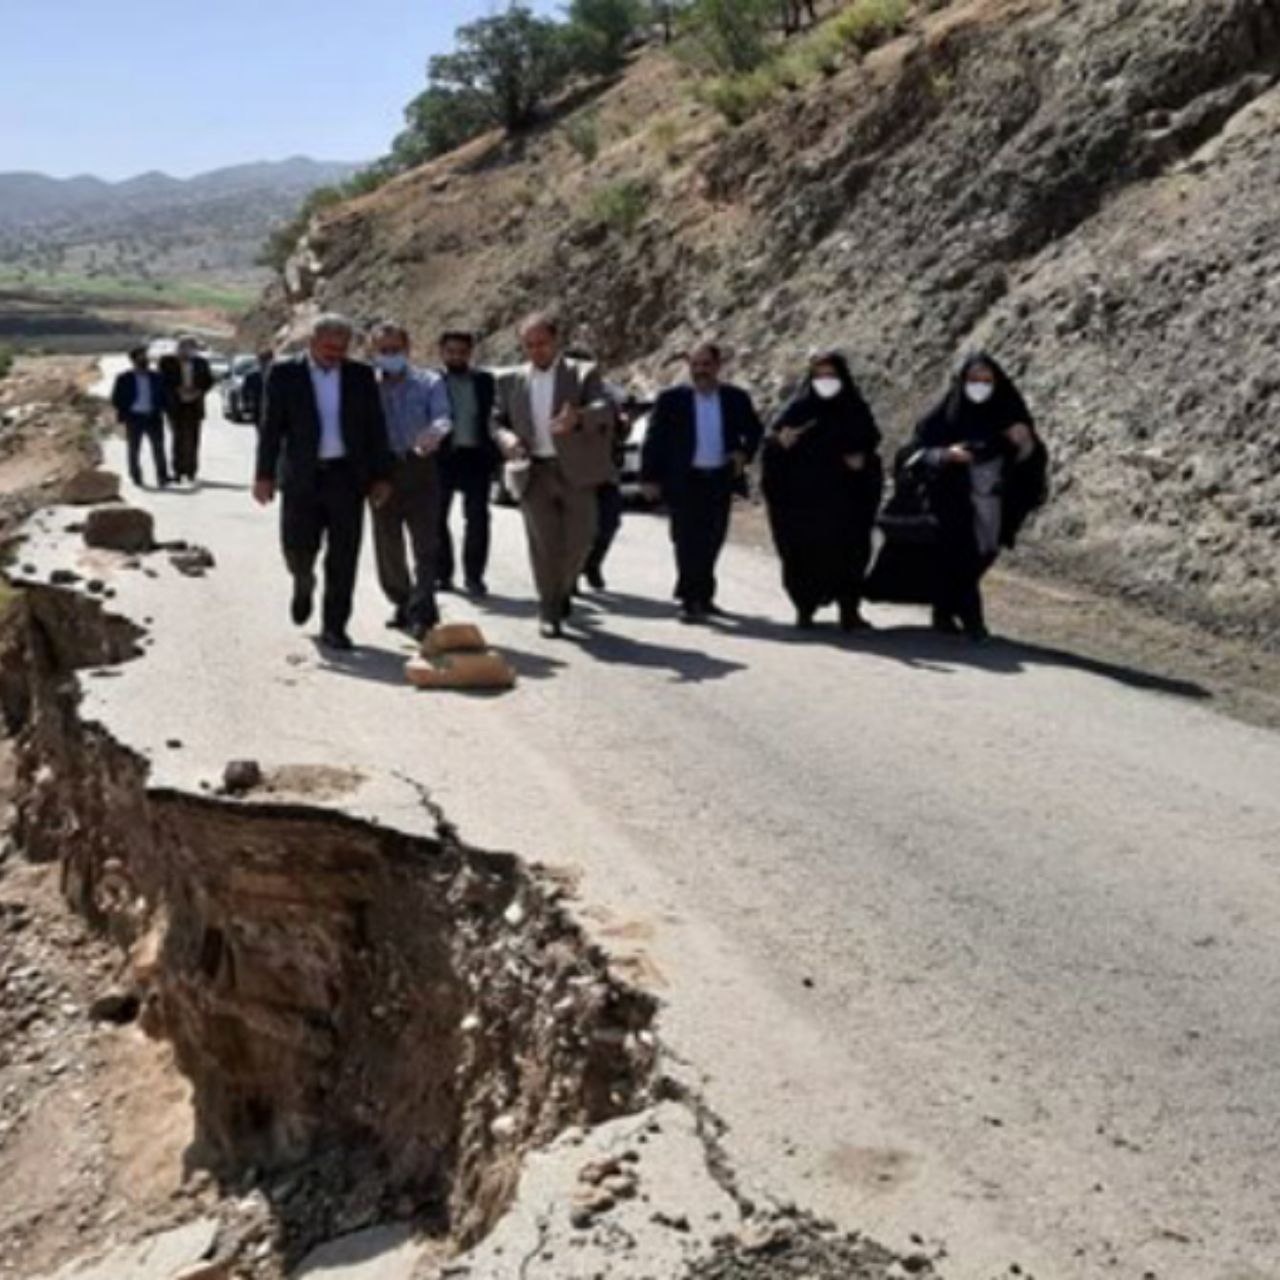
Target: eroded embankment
column 374, row 1025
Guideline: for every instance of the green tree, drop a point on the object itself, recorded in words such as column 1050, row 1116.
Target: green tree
column 438, row 121
column 509, row 63
column 731, row 35
column 599, row 31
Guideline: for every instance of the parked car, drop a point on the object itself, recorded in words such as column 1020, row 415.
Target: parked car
column 219, row 365
column 236, row 406
column 629, row 470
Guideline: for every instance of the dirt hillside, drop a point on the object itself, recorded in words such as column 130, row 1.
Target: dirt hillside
column 1089, row 188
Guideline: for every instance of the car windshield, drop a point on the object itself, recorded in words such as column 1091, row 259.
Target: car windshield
column 244, row 364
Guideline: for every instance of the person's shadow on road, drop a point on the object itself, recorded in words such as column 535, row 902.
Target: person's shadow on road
column 687, row 666
column 923, row 649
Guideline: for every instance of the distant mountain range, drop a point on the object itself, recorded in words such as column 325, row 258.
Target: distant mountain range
column 34, row 198
column 208, row 227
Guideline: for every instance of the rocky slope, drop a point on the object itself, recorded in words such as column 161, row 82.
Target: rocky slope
column 1087, row 187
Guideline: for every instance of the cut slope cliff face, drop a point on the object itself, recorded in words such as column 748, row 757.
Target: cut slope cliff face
column 1087, row 187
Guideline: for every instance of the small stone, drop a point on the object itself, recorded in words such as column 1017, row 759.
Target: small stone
column 192, row 562
column 64, row 578
column 120, row 528
column 241, row 776
column 91, row 486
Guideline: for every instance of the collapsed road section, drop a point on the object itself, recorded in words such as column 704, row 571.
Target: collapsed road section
column 381, row 1032
column 392, row 1019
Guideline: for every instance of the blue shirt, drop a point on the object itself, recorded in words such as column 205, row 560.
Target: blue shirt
column 709, row 453
column 415, row 406
column 327, row 385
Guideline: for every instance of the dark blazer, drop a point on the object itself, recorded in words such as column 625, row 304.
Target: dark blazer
column 672, row 439
column 289, row 434
column 125, row 391
column 253, row 391
column 486, row 390
column 171, row 373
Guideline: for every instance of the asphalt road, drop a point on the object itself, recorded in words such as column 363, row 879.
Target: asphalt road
column 973, row 943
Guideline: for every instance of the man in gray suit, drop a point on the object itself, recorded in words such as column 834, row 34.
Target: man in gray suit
column 555, row 426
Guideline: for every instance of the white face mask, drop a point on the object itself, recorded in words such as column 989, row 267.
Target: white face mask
column 979, row 392
column 827, row 388
column 395, row 365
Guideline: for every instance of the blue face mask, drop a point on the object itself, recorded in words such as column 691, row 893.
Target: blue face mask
column 394, row 365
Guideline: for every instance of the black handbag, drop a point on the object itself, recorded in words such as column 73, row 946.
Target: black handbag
column 905, row 570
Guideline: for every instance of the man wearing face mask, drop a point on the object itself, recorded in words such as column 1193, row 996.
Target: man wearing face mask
column 988, row 472
column 701, row 439
column 138, row 399
column 188, row 379
column 323, row 444
column 415, row 403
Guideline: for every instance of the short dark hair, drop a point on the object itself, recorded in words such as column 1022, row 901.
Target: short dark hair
column 458, row 335
column 140, row 350
column 713, row 349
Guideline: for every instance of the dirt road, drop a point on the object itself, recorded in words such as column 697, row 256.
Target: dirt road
column 965, row 942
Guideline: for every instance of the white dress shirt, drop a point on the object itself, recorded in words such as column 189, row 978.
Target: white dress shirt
column 709, row 454
column 542, row 406
column 142, row 401
column 327, row 384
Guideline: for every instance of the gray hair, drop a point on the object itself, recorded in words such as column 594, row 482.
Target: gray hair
column 333, row 323
column 389, row 329
column 540, row 320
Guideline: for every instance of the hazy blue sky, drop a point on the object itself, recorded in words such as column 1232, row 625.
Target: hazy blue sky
column 116, row 87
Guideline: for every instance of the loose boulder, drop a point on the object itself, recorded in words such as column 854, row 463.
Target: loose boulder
column 90, row 487
column 120, row 528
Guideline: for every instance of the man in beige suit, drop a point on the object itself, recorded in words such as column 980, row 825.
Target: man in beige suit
column 555, row 426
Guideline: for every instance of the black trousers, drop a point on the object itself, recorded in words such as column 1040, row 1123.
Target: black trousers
column 468, row 472
column 186, row 421
column 608, row 522
column 961, row 571
column 330, row 512
column 700, row 510
column 149, row 427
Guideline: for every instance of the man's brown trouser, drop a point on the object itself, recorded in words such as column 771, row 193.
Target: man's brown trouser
column 414, row 505
column 560, row 521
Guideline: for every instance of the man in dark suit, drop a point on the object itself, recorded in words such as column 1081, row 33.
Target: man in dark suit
column 468, row 460
column 323, row 443
column 188, row 379
column 138, row 399
column 700, row 441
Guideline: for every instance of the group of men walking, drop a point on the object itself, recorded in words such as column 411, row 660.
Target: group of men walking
column 144, row 398
column 336, row 433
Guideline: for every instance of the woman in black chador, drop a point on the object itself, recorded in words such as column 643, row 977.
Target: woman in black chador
column 986, row 469
column 822, row 482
